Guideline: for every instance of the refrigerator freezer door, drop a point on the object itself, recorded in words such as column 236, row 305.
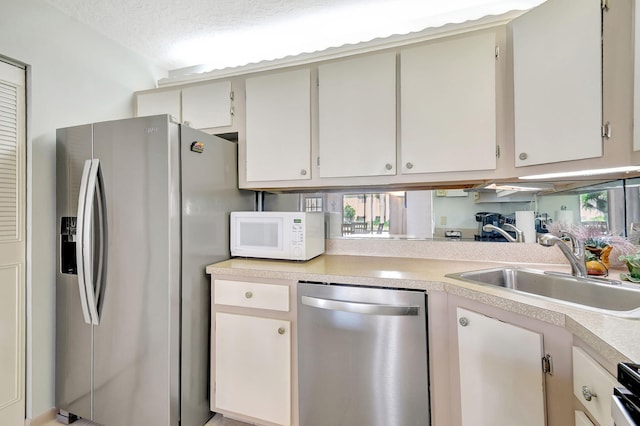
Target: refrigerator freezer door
column 209, row 193
column 136, row 344
column 73, row 335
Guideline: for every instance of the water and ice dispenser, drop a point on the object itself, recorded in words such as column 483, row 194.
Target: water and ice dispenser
column 68, row 263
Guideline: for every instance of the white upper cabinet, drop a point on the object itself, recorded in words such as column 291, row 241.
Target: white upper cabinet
column 207, row 105
column 557, row 71
column 278, row 115
column 357, row 116
column 448, row 105
column 156, row 103
column 203, row 106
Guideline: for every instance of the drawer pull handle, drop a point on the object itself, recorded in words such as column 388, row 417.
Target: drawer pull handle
column 587, row 394
column 248, row 295
column 281, row 330
column 463, row 321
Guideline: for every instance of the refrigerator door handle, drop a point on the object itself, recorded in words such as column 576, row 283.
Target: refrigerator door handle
column 81, row 230
column 102, row 229
column 94, row 191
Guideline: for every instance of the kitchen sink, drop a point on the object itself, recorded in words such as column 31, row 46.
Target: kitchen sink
column 607, row 296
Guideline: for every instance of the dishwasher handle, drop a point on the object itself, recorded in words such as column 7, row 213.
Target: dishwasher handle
column 360, row 308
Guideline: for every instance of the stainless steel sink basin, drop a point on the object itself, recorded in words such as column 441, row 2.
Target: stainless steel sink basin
column 611, row 297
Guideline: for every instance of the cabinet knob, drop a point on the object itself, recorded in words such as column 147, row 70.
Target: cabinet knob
column 248, row 295
column 388, row 166
column 409, row 165
column 281, row 330
column 587, row 394
column 523, row 156
column 303, row 172
column 464, row 321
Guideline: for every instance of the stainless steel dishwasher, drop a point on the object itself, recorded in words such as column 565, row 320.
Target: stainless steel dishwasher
column 362, row 356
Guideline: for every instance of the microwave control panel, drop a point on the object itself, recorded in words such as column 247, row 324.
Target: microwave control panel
column 297, row 233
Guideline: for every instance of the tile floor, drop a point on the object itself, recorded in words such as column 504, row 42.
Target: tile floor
column 217, row 420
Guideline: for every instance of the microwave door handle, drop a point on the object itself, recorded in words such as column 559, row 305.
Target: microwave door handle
column 81, row 231
column 360, row 308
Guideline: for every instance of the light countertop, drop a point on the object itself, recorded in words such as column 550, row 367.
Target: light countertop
column 616, row 339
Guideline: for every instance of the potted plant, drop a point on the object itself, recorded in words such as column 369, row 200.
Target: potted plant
column 633, row 264
column 602, row 249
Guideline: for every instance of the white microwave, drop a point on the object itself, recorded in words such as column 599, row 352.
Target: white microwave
column 277, row 235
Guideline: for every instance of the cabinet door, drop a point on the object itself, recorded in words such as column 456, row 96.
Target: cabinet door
column 278, row 111
column 582, row 419
column 253, row 367
column 557, row 82
column 357, row 116
column 207, row 105
column 636, row 79
column 448, row 105
column 155, row 103
column 501, row 379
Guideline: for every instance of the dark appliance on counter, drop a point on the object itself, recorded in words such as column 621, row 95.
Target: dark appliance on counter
column 453, row 234
column 542, row 223
column 495, row 219
column 625, row 406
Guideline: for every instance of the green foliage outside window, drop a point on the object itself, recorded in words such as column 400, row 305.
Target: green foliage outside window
column 349, row 213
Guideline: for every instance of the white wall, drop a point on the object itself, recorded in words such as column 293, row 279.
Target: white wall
column 78, row 76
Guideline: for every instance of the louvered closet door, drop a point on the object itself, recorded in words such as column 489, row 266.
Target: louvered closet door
column 12, row 244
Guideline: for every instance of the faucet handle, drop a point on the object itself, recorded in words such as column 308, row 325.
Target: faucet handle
column 576, row 243
column 518, row 231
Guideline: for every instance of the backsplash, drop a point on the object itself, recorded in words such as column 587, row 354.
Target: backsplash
column 451, row 250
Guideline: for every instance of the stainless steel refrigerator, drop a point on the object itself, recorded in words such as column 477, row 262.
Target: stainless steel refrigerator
column 142, row 206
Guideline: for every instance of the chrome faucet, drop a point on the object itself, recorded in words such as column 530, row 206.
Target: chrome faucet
column 519, row 234
column 575, row 254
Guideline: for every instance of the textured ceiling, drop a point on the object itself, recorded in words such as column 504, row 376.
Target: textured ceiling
column 226, row 33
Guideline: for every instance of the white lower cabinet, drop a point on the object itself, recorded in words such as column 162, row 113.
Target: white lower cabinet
column 582, row 419
column 253, row 366
column 593, row 386
column 501, row 379
column 252, row 351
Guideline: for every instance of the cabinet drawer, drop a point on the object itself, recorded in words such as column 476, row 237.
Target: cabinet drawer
column 589, row 378
column 251, row 295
